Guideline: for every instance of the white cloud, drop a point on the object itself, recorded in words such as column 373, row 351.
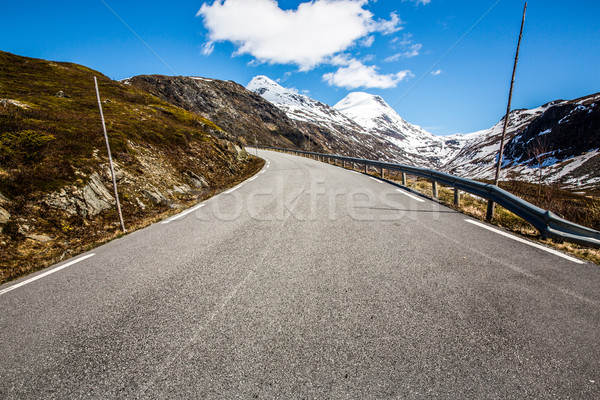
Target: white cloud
column 208, row 48
column 307, row 36
column 418, row 2
column 407, row 48
column 368, row 41
column 355, row 74
column 391, row 26
column 412, row 51
column 436, row 72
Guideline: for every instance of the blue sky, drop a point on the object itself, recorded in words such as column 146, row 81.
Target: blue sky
column 408, row 51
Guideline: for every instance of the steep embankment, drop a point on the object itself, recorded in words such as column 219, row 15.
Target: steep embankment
column 55, row 191
column 246, row 116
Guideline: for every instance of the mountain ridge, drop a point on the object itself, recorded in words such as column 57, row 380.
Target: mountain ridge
column 472, row 155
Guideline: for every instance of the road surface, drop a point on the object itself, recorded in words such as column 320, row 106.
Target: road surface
column 307, row 281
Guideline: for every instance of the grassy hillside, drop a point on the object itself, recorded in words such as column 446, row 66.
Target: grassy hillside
column 246, row 116
column 52, row 146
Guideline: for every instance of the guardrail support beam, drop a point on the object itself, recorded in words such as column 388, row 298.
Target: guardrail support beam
column 382, row 173
column 366, row 169
column 456, row 197
column 403, row 179
column 435, row 190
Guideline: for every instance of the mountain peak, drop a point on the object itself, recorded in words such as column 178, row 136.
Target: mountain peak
column 262, row 80
column 275, row 93
column 363, row 100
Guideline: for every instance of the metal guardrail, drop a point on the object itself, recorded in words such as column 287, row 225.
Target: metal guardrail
column 547, row 223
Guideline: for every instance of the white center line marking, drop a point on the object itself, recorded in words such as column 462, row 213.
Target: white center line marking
column 532, row 244
column 35, row 278
column 410, row 195
column 183, row 213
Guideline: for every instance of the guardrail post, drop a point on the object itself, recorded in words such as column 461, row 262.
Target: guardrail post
column 456, row 197
column 382, row 174
column 366, row 169
column 344, row 162
column 489, row 214
column 435, row 190
column 403, row 179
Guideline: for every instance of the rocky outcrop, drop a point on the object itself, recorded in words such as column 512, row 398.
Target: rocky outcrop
column 155, row 196
column 86, row 202
column 197, row 181
column 4, row 216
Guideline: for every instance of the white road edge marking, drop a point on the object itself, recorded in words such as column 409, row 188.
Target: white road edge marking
column 232, row 189
column 40, row 276
column 410, row 195
column 183, row 213
column 375, row 179
column 518, row 239
column 253, row 178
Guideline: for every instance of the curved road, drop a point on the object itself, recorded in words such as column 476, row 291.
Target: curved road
column 307, row 281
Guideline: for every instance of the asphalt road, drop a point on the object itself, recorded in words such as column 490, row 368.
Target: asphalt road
column 308, row 281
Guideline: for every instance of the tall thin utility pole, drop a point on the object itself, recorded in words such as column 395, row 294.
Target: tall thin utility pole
column 110, row 161
column 491, row 204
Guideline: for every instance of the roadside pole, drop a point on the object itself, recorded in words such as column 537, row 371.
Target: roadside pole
column 491, row 205
column 110, row 162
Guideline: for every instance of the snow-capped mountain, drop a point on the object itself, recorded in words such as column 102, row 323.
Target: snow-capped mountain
column 300, row 107
column 361, row 124
column 378, row 118
column 365, row 125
